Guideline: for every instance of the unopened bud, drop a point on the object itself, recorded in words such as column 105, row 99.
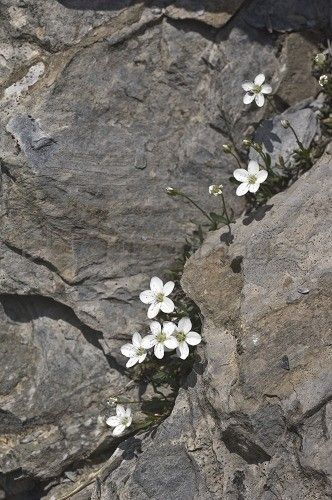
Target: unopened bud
column 247, row 142
column 285, row 123
column 227, row 148
column 257, row 146
column 171, row 191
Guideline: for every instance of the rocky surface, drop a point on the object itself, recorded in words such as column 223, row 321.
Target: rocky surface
column 103, row 105
column 253, row 420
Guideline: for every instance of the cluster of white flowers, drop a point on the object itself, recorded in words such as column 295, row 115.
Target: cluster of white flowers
column 164, row 336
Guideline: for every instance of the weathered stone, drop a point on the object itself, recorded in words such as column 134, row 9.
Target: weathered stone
column 251, row 422
column 277, row 140
column 102, row 106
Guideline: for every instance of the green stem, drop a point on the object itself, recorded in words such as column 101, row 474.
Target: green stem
column 197, row 206
column 238, row 161
column 299, row 143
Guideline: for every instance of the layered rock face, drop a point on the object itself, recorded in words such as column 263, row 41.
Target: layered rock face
column 102, row 106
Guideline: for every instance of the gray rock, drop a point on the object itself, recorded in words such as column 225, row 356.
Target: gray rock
column 276, row 140
column 244, row 426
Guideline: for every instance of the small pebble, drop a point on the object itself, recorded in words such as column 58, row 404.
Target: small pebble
column 303, row 290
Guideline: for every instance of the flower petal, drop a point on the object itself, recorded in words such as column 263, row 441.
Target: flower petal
column 159, row 350
column 142, row 358
column 128, row 412
column 248, row 98
column 132, row 361
column 147, row 297
column 168, row 328
column 148, row 341
column 253, row 167
column 113, row 421
column 129, row 421
column 136, row 339
column 168, row 287
column 262, row 176
column 171, row 342
column 156, row 285
column 240, row 175
column 253, row 188
column 128, row 350
column 242, row 189
column 184, row 350
column 184, row 325
column 193, row 338
column 153, row 310
column 155, row 327
column 247, row 86
column 167, row 305
column 118, row 430
column 120, row 411
column 260, row 79
column 260, row 99
column 266, row 88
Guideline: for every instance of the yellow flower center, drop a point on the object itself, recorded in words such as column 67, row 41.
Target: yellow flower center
column 161, row 337
column 180, row 336
column 252, row 179
column 160, row 297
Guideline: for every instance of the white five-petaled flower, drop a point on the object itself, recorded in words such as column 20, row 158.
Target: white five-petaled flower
column 161, row 337
column 134, row 351
column 157, row 297
column 250, row 179
column 120, row 421
column 185, row 336
column 256, row 90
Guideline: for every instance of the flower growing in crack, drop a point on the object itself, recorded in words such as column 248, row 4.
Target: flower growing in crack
column 250, row 179
column 134, row 351
column 216, row 190
column 185, row 336
column 157, row 297
column 323, row 80
column 161, row 337
column 120, row 421
column 256, row 90
column 320, row 59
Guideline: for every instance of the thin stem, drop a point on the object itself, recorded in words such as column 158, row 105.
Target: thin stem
column 235, row 156
column 296, row 137
column 225, row 211
column 197, row 206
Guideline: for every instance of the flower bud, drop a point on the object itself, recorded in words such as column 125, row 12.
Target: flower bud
column 247, row 142
column 257, row 146
column 171, row 191
column 216, row 190
column 323, row 80
column 227, row 148
column 285, row 123
column 320, row 59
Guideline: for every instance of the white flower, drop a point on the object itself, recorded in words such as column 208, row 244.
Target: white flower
column 256, row 90
column 185, row 336
column 215, row 189
column 157, row 296
column 320, row 59
column 134, row 351
column 323, row 80
column 250, row 179
column 162, row 336
column 120, row 421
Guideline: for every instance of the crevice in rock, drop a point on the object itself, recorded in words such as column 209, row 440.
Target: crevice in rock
column 22, row 309
column 41, row 262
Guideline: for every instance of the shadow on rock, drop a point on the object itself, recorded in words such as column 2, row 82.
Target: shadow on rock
column 257, row 214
